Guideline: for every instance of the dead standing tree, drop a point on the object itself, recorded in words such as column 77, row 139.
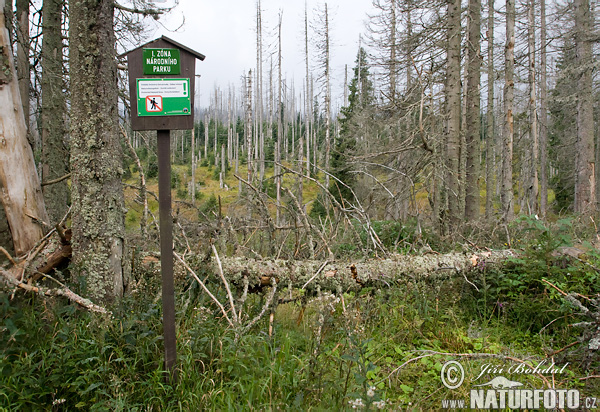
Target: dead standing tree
column 21, row 191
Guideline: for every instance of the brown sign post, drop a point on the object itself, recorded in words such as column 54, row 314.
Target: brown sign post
column 161, row 89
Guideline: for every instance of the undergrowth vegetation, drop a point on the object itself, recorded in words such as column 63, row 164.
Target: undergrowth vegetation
column 376, row 349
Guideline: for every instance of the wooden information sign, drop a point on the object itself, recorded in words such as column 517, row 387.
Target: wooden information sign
column 161, row 91
column 162, row 60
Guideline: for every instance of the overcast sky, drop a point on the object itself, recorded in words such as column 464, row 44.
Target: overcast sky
column 224, row 31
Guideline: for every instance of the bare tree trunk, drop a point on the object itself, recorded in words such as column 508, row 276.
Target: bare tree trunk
column 21, row 192
column 473, row 120
column 206, row 137
column 279, row 130
column 216, row 119
column 532, row 161
column 490, row 135
column 506, row 194
column 23, row 59
column 222, row 174
column 193, row 187
column 55, row 155
column 237, row 161
column 248, row 128
column 308, row 94
column 326, row 62
column 543, row 114
column 585, row 173
column 392, row 64
column 96, row 163
column 259, row 92
column 453, row 107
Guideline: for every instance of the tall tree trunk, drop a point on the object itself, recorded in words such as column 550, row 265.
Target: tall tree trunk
column 506, row 194
column 308, row 94
column 55, row 154
column 98, row 203
column 23, row 58
column 193, row 185
column 453, row 107
column 279, row 129
column 21, row 193
column 543, row 117
column 489, row 116
column 585, row 173
column 393, row 46
column 327, row 97
column 259, row 92
column 248, row 128
column 473, row 120
column 532, row 189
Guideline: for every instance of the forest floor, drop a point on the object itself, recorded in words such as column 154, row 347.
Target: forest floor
column 531, row 323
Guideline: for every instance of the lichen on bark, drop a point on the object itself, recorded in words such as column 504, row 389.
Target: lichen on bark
column 97, row 194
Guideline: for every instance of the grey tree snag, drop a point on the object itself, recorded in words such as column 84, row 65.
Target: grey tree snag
column 276, row 168
column 20, row 189
column 98, row 204
column 55, row 155
column 506, row 193
column 532, row 189
column 585, row 184
column 543, row 117
column 490, row 134
column 22, row 25
column 473, row 120
column 453, row 111
column 308, row 94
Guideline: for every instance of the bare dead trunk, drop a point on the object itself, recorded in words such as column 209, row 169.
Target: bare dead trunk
column 543, row 117
column 506, row 194
column 532, row 189
column 453, row 108
column 21, row 191
column 55, row 154
column 585, row 173
column 473, row 120
column 348, row 275
column 490, row 130
column 23, row 71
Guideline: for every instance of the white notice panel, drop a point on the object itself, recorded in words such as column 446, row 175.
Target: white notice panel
column 164, row 88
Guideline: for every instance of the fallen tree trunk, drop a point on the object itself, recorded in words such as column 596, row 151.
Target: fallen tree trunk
column 354, row 275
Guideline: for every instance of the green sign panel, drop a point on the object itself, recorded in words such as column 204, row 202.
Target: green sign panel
column 161, row 61
column 164, row 97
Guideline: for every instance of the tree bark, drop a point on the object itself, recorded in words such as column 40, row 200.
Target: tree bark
column 55, row 155
column 21, row 191
column 506, row 194
column 308, row 94
column 585, row 185
column 334, row 276
column 327, row 75
column 543, row 114
column 276, row 168
column 453, row 110
column 532, row 189
column 98, row 203
column 22, row 25
column 490, row 134
column 473, row 119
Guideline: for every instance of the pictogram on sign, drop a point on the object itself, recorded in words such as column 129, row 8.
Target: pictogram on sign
column 154, row 103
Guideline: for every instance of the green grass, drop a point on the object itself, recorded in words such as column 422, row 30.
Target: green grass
column 371, row 347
